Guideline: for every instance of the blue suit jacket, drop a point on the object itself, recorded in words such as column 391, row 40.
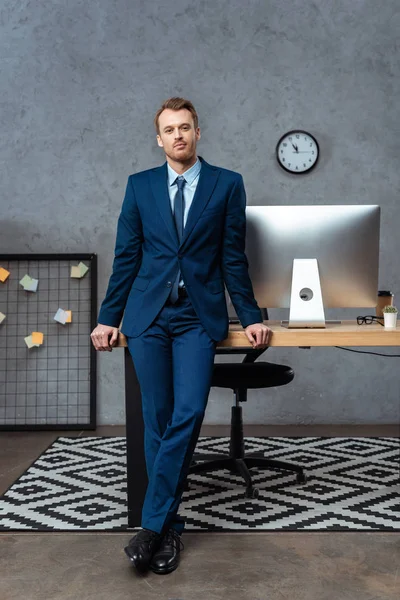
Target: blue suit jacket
column 148, row 254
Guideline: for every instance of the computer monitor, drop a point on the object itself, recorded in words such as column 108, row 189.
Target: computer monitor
column 308, row 258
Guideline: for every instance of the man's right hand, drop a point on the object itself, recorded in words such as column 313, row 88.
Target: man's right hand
column 104, row 337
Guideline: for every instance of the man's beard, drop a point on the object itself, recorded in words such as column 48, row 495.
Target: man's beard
column 183, row 155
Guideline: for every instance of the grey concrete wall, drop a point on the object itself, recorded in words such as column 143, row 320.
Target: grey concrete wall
column 81, row 81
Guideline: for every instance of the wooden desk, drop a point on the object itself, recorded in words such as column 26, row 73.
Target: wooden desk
column 347, row 334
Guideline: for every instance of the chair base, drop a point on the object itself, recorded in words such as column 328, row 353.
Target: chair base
column 237, row 461
column 242, row 467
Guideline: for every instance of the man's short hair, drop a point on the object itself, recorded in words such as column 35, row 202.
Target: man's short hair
column 176, row 104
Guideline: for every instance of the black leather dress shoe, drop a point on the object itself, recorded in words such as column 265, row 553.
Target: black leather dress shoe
column 166, row 558
column 141, row 548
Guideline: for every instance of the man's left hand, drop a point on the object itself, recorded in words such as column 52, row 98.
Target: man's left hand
column 258, row 334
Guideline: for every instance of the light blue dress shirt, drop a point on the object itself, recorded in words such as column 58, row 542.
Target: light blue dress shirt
column 191, row 177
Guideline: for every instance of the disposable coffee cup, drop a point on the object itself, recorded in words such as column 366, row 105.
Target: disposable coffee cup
column 385, row 298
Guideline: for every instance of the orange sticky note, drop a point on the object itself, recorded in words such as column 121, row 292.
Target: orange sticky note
column 4, row 274
column 69, row 316
column 37, row 337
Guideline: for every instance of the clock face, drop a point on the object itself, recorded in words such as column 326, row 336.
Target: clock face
column 297, row 151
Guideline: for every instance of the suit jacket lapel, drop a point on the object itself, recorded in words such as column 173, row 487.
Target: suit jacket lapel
column 159, row 184
column 207, row 179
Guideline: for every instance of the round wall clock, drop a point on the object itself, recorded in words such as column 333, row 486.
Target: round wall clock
column 297, row 151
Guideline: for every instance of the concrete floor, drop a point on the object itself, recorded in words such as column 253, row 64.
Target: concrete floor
column 215, row 566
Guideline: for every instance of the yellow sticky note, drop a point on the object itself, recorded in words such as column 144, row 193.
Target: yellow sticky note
column 37, row 337
column 83, row 268
column 26, row 281
column 76, row 272
column 28, row 341
column 2, row 317
column 69, row 316
column 4, row 274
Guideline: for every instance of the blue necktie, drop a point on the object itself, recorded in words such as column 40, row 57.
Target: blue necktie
column 178, row 206
column 178, row 217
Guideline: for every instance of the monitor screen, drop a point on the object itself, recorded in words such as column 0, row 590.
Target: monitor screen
column 344, row 239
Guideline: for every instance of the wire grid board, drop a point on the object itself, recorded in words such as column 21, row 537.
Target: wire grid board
column 53, row 384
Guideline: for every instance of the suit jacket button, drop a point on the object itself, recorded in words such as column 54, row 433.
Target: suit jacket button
column 169, row 284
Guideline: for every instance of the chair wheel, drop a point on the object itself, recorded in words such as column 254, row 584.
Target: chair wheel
column 251, row 493
column 301, row 478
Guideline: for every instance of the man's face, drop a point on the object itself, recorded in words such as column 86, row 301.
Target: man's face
column 178, row 135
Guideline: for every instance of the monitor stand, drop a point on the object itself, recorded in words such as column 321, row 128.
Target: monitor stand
column 285, row 323
column 306, row 305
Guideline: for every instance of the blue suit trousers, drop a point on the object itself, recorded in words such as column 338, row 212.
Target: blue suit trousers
column 174, row 360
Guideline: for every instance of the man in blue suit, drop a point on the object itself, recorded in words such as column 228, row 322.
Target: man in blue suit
column 180, row 237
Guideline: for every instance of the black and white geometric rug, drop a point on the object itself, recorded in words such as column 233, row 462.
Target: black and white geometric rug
column 79, row 484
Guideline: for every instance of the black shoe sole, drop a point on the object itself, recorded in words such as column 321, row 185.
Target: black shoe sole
column 163, row 571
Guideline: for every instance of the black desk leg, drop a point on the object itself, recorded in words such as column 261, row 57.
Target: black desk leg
column 137, row 479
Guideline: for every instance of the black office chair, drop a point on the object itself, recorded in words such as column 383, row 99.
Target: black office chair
column 240, row 377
